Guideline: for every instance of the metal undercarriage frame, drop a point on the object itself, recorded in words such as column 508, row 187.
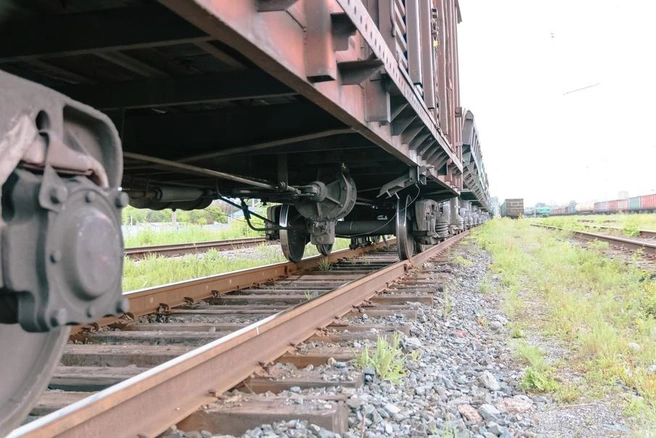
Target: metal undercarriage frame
column 255, row 88
column 254, row 99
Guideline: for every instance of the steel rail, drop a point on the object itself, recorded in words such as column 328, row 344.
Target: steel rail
column 152, row 300
column 147, row 404
column 620, row 242
column 140, row 252
column 641, row 233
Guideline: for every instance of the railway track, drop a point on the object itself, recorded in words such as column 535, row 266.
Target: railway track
column 648, row 234
column 174, row 250
column 187, row 343
column 618, row 242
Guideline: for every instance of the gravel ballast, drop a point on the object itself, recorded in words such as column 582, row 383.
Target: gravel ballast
column 465, row 382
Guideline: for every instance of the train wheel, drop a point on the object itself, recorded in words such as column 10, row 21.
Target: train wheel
column 325, row 248
column 28, row 360
column 60, row 235
column 294, row 238
column 404, row 240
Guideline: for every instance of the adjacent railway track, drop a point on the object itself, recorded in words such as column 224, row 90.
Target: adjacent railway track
column 174, row 250
column 649, row 234
column 618, row 242
column 195, row 340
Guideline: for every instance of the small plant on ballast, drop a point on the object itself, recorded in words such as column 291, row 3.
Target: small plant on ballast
column 460, row 260
column 325, row 264
column 387, row 359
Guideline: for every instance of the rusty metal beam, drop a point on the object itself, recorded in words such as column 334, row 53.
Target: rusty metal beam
column 213, row 131
column 90, row 32
column 153, row 93
column 276, row 42
column 147, row 404
column 132, row 64
column 356, row 72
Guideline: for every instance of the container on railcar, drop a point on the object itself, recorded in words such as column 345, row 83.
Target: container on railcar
column 634, row 203
column 513, row 208
column 648, row 202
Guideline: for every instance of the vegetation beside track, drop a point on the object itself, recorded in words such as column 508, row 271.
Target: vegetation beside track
column 149, row 235
column 156, row 270
column 631, row 224
column 600, row 312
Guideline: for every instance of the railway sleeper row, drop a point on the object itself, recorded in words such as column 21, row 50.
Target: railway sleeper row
column 113, row 354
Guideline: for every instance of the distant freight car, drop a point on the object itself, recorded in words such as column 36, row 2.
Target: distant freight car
column 543, row 211
column 513, row 208
column 645, row 204
column 634, row 203
column 584, row 208
column 648, row 202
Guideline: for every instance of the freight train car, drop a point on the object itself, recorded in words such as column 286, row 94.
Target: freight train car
column 345, row 113
column 543, row 211
column 637, row 204
column 513, row 208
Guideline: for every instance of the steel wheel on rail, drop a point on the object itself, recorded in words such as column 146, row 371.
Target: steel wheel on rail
column 27, row 361
column 293, row 236
column 404, row 240
column 60, row 233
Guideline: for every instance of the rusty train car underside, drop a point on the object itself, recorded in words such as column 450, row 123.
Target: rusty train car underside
column 344, row 114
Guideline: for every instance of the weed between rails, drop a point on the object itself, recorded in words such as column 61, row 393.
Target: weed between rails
column 602, row 310
column 325, row 264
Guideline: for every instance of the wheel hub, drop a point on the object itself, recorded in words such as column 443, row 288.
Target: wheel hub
column 79, row 257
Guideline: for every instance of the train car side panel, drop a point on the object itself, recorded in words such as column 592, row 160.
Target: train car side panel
column 648, row 202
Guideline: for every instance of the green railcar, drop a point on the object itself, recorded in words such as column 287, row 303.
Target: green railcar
column 634, row 203
column 543, row 211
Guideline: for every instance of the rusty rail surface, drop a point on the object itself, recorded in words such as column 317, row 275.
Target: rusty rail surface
column 173, row 250
column 151, row 300
column 641, row 233
column 619, row 242
column 147, row 404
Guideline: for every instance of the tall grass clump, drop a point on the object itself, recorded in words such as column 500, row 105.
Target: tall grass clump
column 387, row 359
column 602, row 309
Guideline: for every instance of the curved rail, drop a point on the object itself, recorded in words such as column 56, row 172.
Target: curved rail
column 173, row 250
column 620, row 242
column 147, row 404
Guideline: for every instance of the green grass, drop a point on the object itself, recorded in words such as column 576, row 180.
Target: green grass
column 325, row 264
column 156, row 270
column 596, row 307
column 388, row 359
column 460, row 260
column 538, row 373
column 190, row 234
column 630, row 224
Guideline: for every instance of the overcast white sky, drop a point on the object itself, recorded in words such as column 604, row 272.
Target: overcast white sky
column 519, row 57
